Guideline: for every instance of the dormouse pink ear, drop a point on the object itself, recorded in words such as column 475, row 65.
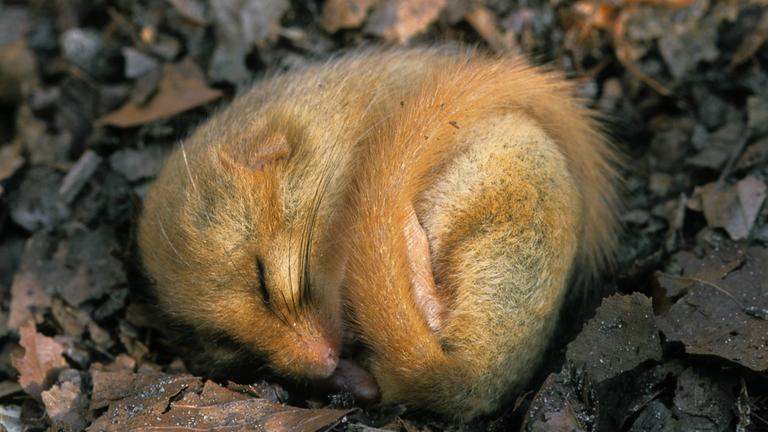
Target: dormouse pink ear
column 257, row 154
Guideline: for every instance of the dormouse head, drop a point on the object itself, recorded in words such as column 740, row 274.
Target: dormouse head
column 235, row 235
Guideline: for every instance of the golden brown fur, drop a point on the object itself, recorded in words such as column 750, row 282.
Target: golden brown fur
column 316, row 173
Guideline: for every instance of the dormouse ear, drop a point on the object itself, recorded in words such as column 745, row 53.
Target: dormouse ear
column 257, row 154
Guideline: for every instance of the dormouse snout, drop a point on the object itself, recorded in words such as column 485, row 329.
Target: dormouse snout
column 321, row 358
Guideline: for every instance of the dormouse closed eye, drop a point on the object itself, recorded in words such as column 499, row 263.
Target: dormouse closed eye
column 263, row 290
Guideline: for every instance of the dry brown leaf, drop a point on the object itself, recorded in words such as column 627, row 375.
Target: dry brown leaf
column 135, row 348
column 400, row 20
column 65, row 403
column 182, row 402
column 484, row 23
column 592, row 15
column 42, row 359
column 181, row 88
column 752, row 193
column 17, row 70
column 72, row 321
column 345, row 14
column 11, row 160
column 751, row 43
column 718, row 203
column 733, row 208
column 623, row 50
column 109, row 386
column 602, row 15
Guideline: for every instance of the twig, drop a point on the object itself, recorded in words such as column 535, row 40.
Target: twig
column 622, row 53
column 737, row 151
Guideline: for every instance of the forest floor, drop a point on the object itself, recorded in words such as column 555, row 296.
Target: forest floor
column 94, row 94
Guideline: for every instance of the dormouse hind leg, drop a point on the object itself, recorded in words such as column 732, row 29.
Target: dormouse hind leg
column 424, row 289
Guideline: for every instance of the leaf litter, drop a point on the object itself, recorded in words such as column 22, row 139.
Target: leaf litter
column 157, row 401
column 41, row 359
column 94, row 96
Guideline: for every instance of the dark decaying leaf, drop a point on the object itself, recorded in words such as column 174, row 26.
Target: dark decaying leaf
column 138, row 164
column 137, row 63
column 10, row 418
column 655, row 416
column 8, row 388
column 559, row 421
column 36, row 205
column 240, row 25
column 28, row 297
column 79, row 268
column 621, row 336
column 757, row 114
column 559, row 403
column 610, row 366
column 255, row 21
column 702, row 402
column 28, row 294
column 716, row 313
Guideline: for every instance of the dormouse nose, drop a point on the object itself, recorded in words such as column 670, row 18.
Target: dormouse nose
column 322, row 358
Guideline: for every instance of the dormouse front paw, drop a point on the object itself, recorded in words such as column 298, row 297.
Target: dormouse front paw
column 349, row 376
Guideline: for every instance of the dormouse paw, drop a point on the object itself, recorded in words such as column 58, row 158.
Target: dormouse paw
column 350, row 377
